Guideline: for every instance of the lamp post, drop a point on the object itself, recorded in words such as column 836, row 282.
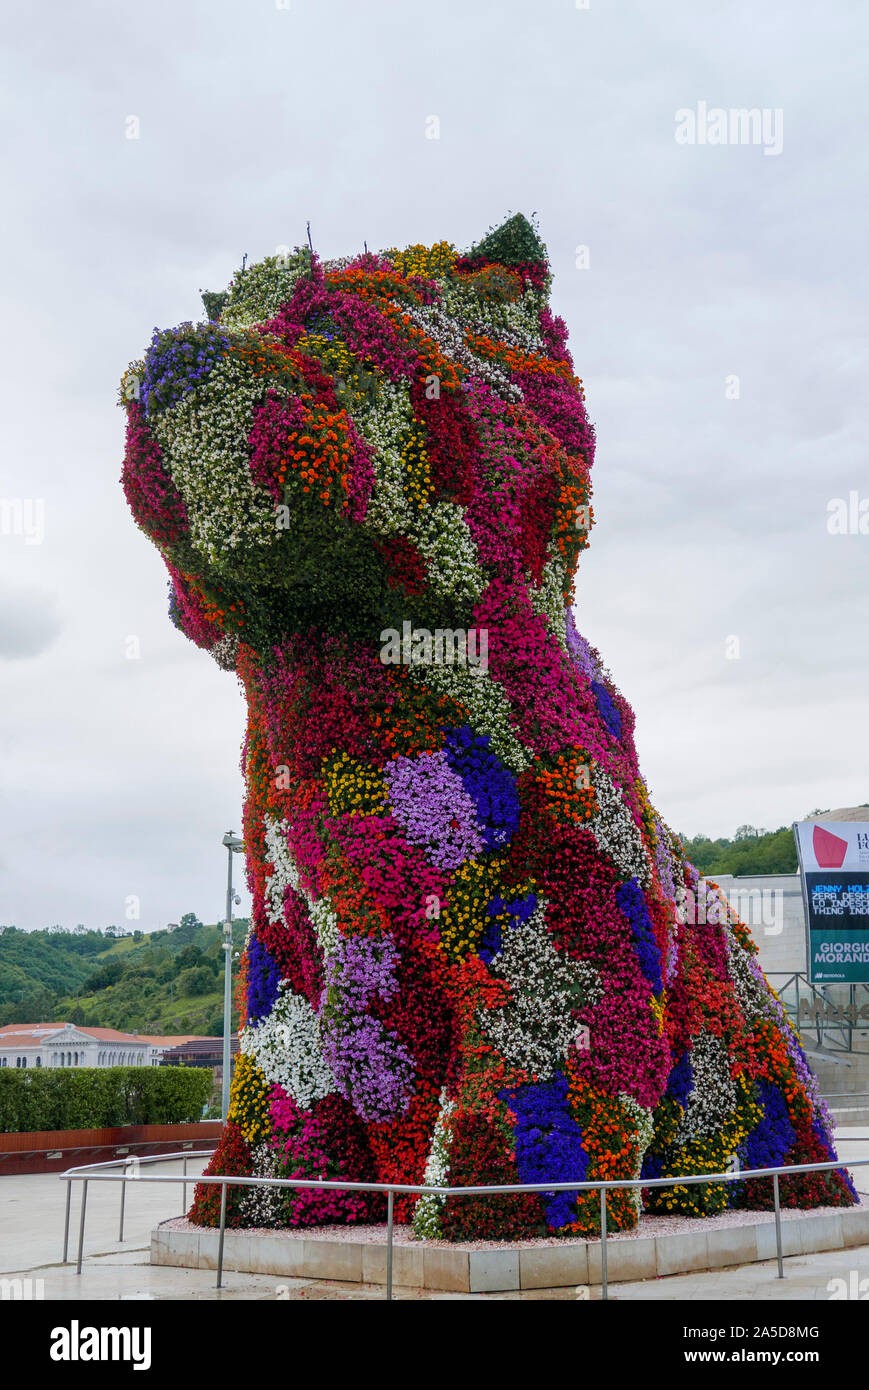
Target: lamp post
column 234, row 845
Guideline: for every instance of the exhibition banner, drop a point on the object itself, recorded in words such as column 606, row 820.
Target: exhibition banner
column 834, row 867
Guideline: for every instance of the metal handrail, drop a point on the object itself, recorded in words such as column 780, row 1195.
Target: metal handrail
column 85, row 1173
column 823, row 1027
column 83, row 1148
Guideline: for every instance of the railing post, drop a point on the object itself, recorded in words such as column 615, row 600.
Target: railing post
column 123, row 1201
column 84, row 1198
column 184, row 1190
column 603, row 1270
column 852, row 1013
column 389, row 1244
column 222, row 1230
column 778, row 1250
column 66, row 1222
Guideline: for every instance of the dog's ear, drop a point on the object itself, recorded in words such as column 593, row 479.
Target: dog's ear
column 515, row 243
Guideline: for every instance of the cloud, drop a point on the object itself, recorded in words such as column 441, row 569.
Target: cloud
column 705, row 263
column 30, row 623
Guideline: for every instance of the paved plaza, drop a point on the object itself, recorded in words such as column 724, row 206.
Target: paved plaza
column 31, row 1247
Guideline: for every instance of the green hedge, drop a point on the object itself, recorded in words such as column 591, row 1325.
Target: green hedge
column 100, row 1097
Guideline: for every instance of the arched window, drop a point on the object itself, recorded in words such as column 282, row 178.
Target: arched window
column 39, row 1061
column 24, row 1061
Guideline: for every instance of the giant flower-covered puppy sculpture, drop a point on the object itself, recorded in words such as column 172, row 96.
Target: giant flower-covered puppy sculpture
column 476, row 952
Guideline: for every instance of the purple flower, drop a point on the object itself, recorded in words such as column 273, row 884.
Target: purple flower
column 372, row 1068
column 362, row 967
column 579, row 648
column 430, row 803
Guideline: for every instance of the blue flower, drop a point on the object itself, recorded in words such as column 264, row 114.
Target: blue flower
column 607, row 709
column 177, row 360
column 262, row 981
column 490, row 785
column 773, row 1135
column 632, row 905
column 548, row 1143
column 653, row 1166
column 680, row 1082
column 517, row 909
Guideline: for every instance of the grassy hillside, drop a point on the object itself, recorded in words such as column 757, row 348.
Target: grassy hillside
column 163, row 982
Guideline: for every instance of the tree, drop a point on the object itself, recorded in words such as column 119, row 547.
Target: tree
column 190, row 920
column 108, row 974
column 197, row 981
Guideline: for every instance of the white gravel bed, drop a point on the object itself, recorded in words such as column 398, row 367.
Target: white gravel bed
column 649, row 1227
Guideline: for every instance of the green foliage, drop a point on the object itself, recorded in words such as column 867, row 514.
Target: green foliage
column 214, row 300
column 108, row 974
column 100, row 1097
column 514, row 242
column 36, row 963
column 166, row 982
column 196, row 982
column 749, row 852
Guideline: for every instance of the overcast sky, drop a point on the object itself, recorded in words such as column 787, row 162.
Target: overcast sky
column 705, row 262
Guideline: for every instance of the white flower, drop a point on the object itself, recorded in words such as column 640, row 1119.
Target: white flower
column 286, row 875
column 450, row 336
column 259, row 291
column 429, row 1209
column 548, row 600
column 713, row 1099
column 645, row 1127
column 536, row 1029
column 442, row 536
column 487, row 704
column 263, row 1206
column 615, row 830
column 286, row 1047
column 204, row 438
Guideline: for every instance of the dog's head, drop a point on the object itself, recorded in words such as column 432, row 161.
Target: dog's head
column 341, row 445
